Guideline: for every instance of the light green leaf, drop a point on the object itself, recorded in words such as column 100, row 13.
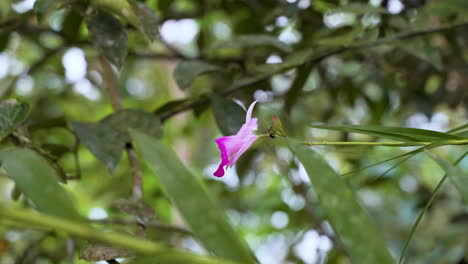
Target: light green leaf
column 252, row 41
column 396, row 133
column 455, row 174
column 228, row 114
column 12, row 114
column 38, row 181
column 109, row 35
column 187, row 71
column 199, row 209
column 43, row 7
column 107, row 139
column 359, row 234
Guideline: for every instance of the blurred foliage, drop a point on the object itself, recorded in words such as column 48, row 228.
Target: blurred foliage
column 77, row 75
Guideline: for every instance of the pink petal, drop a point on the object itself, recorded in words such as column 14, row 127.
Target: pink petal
column 248, row 141
column 248, row 128
column 228, row 146
column 249, row 111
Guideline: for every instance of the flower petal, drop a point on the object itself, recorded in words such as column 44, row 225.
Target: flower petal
column 249, row 111
column 248, row 128
column 248, row 141
column 228, row 146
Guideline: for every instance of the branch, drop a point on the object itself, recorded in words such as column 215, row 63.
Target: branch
column 314, row 59
column 162, row 227
column 32, row 69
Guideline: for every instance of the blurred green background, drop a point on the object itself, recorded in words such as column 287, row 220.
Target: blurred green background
column 377, row 62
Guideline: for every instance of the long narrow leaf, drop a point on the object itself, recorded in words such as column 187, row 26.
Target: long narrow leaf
column 38, row 181
column 456, row 175
column 395, row 133
column 200, row 210
column 354, row 227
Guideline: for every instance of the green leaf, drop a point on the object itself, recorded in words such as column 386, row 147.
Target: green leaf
column 139, row 120
column 148, row 19
column 455, row 174
column 12, row 114
column 446, row 7
column 109, row 35
column 107, row 139
column 44, row 7
column 252, row 41
column 186, row 72
column 358, row 233
column 38, row 181
column 396, row 133
column 102, row 141
column 228, row 114
column 71, row 25
column 200, row 211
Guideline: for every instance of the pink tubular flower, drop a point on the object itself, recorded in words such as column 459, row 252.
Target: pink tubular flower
column 232, row 147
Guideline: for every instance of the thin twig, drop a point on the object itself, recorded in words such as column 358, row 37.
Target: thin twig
column 162, row 227
column 32, row 69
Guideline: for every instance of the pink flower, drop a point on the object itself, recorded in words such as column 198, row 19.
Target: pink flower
column 232, row 147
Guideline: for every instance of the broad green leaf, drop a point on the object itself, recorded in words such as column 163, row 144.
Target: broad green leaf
column 252, row 41
column 455, row 174
column 102, row 141
column 107, row 139
column 396, row 133
column 43, row 7
column 228, row 114
column 139, row 120
column 109, row 35
column 199, row 209
column 12, row 114
column 148, row 19
column 38, row 181
column 186, row 72
column 359, row 234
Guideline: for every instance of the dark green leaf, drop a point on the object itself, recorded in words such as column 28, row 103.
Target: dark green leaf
column 136, row 119
column 199, row 209
column 43, row 7
column 102, row 140
column 455, row 174
column 252, row 41
column 12, row 114
column 4, row 40
column 109, row 35
column 148, row 20
column 228, row 114
column 72, row 24
column 186, row 72
column 107, row 139
column 396, row 133
column 38, row 181
column 358, row 233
